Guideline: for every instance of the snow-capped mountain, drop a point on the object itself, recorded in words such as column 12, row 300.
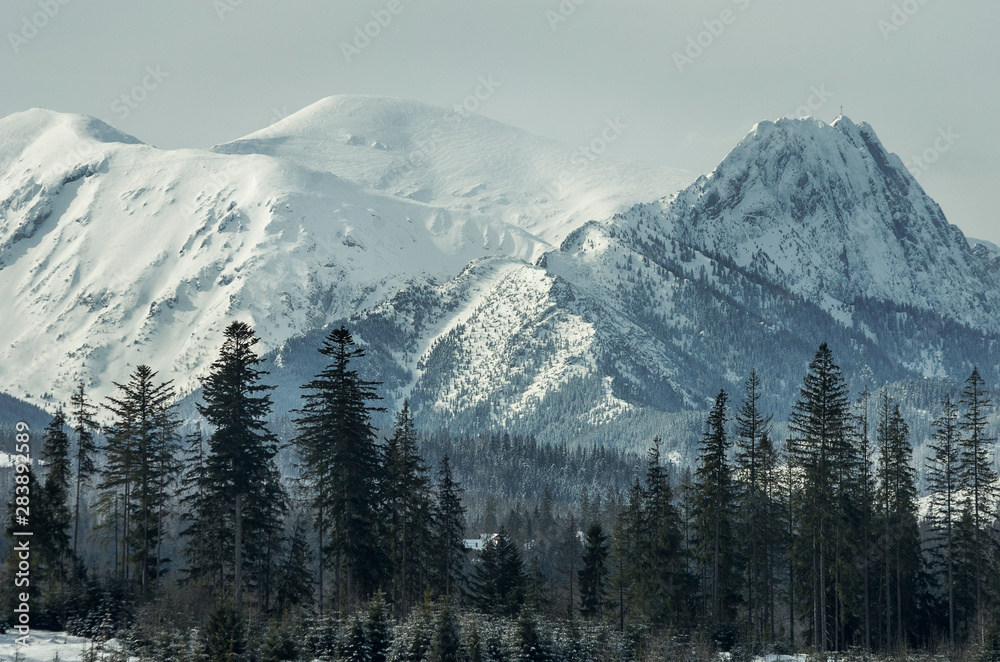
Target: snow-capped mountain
column 495, row 277
column 118, row 253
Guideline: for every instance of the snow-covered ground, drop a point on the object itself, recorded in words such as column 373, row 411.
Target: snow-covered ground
column 42, row 647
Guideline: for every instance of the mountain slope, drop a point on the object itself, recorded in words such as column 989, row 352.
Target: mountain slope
column 806, row 233
column 117, row 253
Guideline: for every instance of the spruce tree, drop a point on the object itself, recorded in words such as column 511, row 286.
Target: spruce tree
column 295, row 580
column 242, row 490
column 448, row 543
column 943, row 474
column 342, row 464
column 498, row 580
column 82, row 414
column 135, row 480
column 979, row 485
column 408, row 505
column 659, row 584
column 593, row 572
column 865, row 454
column 715, row 503
column 446, row 646
column 820, row 441
column 772, row 534
column 54, row 497
column 568, row 553
column 901, row 538
column 379, row 627
column 752, row 427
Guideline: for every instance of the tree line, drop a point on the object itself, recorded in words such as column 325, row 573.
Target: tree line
column 814, row 541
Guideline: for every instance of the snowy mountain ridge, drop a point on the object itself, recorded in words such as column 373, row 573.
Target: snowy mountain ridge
column 113, row 247
column 490, row 288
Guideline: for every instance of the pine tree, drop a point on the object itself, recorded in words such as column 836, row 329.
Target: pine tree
column 224, row 637
column 203, row 520
column 979, row 484
column 446, row 646
column 138, row 471
column 657, row 575
column 498, row 580
column 55, row 495
column 355, row 648
column 715, row 502
column 295, row 580
column 342, row 464
column 752, row 428
column 568, row 553
column 408, row 505
column 529, row 647
column 901, row 539
column 865, row 454
column 448, row 544
column 943, row 473
column 82, row 412
column 820, row 441
column 242, row 491
column 772, row 537
column 593, row 573
column 379, row 629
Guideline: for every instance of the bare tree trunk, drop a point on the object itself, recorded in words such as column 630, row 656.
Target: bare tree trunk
column 238, row 560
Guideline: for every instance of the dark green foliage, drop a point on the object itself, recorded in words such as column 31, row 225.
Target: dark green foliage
column 943, row 481
column 52, row 503
column 355, row 647
column 82, row 414
column 447, row 639
column 651, row 576
column 979, row 484
column 447, row 548
column 138, row 475
column 342, row 464
column 715, row 503
column 242, row 500
column 529, row 645
column 295, row 579
column 224, row 638
column 822, row 454
column 755, row 463
column 593, row 573
column 279, row 645
column 900, row 543
column 498, row 580
column 379, row 629
column 413, row 639
column 407, row 501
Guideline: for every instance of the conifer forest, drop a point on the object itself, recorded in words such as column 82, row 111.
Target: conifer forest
column 241, row 538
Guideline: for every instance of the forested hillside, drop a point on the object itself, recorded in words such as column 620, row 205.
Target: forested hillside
column 252, row 537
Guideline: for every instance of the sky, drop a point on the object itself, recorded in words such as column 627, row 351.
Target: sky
column 687, row 79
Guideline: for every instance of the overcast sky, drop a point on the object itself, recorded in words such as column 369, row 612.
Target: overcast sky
column 200, row 72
